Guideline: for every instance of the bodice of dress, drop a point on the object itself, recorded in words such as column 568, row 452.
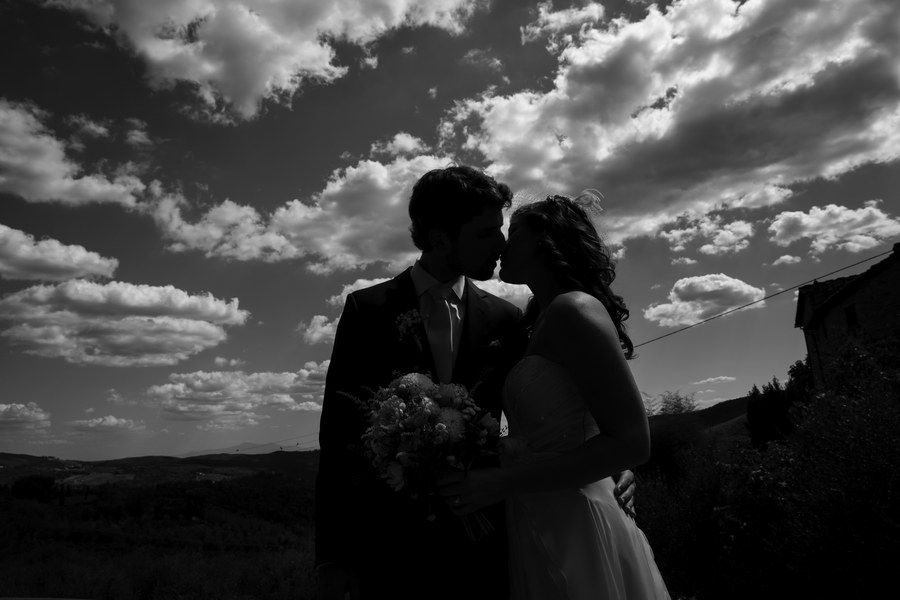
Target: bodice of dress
column 543, row 406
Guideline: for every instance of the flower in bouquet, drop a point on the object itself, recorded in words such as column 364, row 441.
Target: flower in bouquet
column 418, row 429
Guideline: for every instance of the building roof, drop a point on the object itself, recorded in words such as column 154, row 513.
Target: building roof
column 817, row 298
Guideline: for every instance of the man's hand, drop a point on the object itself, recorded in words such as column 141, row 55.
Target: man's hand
column 624, row 492
column 336, row 582
column 468, row 492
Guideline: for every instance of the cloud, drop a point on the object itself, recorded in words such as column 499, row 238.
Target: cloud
column 319, row 330
column 683, row 260
column 15, row 418
column 786, row 259
column 358, row 219
column 338, row 299
column 107, row 424
column 228, row 362
column 723, row 238
column 483, row 60
column 836, row 227
column 515, row 293
column 233, row 399
column 115, row 398
column 22, row 257
column 719, row 379
column 401, row 144
column 137, row 135
column 550, row 22
column 240, row 53
column 34, row 166
column 693, row 299
column 116, row 324
column 703, row 105
column 88, row 127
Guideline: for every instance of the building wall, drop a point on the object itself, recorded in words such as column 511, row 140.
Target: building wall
column 867, row 317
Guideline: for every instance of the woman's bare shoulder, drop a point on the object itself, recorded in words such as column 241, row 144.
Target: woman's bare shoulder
column 575, row 306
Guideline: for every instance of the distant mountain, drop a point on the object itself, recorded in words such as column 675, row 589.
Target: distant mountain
column 162, row 469
column 711, row 415
column 245, row 448
column 725, row 418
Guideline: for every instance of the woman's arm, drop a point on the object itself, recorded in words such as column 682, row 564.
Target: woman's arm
column 577, row 333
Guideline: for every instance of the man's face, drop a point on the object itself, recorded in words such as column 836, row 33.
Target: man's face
column 479, row 245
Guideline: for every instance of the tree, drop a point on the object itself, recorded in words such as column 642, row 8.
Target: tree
column 676, row 403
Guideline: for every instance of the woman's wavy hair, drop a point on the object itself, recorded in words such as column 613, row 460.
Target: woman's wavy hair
column 577, row 257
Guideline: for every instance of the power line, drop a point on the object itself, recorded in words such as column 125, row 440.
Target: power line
column 727, row 312
column 778, row 293
column 300, row 443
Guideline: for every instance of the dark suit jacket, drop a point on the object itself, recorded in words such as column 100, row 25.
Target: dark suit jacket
column 360, row 521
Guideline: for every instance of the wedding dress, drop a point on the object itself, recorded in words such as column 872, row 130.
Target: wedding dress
column 567, row 544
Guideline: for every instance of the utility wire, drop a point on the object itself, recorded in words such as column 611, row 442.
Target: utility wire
column 727, row 312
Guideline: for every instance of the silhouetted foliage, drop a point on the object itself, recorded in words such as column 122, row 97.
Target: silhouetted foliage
column 33, row 487
column 815, row 514
column 772, row 412
column 672, row 432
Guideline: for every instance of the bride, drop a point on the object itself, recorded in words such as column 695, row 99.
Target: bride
column 575, row 418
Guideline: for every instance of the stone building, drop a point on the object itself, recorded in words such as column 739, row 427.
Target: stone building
column 861, row 310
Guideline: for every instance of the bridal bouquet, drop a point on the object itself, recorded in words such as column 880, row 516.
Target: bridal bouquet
column 418, row 428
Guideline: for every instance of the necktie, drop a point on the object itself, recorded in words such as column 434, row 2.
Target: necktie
column 443, row 324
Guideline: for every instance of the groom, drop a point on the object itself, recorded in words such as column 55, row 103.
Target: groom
column 372, row 542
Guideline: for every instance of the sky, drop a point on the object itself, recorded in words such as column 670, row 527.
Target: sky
column 190, row 188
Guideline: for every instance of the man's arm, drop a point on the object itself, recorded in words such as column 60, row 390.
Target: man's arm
column 339, row 431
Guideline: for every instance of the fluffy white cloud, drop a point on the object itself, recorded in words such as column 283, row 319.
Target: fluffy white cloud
column 339, row 299
column 515, row 293
column 358, row 219
column 723, row 238
column 116, row 324
column 836, row 227
column 242, row 52
column 703, row 105
column 34, row 166
column 107, row 424
column 693, row 299
column 683, row 260
column 22, row 257
column 719, row 379
column 234, row 399
column 319, row 330
column 401, row 144
column 23, row 417
column 786, row 259
column 550, row 22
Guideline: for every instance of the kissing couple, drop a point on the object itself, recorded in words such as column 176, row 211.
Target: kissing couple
column 561, row 505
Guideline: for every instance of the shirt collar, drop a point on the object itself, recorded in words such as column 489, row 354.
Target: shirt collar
column 424, row 281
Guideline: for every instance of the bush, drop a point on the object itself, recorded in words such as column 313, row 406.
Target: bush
column 815, row 514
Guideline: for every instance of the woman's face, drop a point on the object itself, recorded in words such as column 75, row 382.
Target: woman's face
column 522, row 258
